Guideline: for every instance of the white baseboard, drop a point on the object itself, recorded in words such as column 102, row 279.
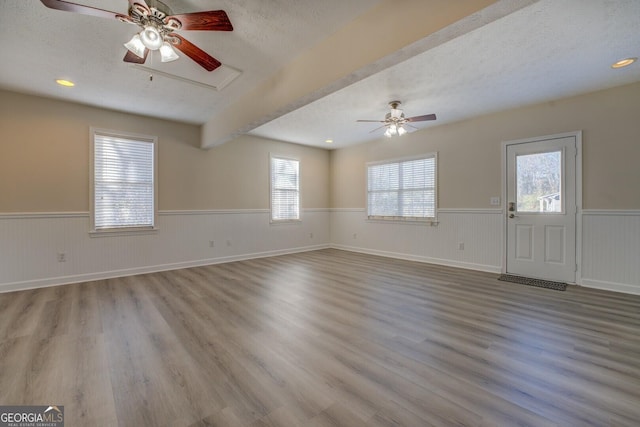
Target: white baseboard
column 66, row 280
column 428, row 260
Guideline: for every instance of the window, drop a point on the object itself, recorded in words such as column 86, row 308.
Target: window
column 285, row 189
column 402, row 189
column 539, row 182
column 123, row 181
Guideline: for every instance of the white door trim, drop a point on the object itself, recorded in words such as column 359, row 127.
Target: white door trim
column 578, row 137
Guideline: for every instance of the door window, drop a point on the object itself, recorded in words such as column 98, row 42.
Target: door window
column 539, row 182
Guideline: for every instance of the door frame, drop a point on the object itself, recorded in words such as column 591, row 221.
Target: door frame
column 578, row 138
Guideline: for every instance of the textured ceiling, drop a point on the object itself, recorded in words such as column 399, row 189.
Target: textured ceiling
column 546, row 51
column 41, row 44
column 506, row 58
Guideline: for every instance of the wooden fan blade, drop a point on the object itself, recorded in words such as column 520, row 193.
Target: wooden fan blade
column 371, row 121
column 132, row 57
column 140, row 7
column 205, row 60
column 78, row 8
column 213, row 20
column 140, row 2
column 421, row 118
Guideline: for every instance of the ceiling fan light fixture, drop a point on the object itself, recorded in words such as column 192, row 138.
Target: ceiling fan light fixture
column 392, row 130
column 395, row 129
column 167, row 53
column 135, row 46
column 151, row 37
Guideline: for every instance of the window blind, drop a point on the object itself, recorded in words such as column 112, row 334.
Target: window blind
column 123, row 182
column 285, row 189
column 402, row 189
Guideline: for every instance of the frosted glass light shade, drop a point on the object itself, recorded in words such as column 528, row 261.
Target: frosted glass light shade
column 151, row 38
column 167, row 54
column 135, row 46
column 394, row 129
column 389, row 133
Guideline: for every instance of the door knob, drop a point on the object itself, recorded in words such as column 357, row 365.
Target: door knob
column 512, row 215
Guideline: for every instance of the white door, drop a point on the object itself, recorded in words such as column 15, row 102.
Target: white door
column 541, row 208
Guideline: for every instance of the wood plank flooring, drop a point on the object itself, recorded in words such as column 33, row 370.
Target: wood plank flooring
column 323, row 338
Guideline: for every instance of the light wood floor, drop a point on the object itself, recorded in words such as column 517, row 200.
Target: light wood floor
column 324, row 338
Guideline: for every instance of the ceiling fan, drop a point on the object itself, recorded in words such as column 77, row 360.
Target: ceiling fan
column 395, row 120
column 158, row 29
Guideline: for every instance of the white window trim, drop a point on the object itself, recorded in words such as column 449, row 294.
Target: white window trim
column 404, row 220
column 124, row 231
column 285, row 221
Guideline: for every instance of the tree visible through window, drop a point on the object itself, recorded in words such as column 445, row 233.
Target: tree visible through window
column 123, row 181
column 539, row 186
column 404, row 189
column 285, row 189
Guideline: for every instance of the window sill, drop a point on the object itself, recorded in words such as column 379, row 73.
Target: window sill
column 118, row 232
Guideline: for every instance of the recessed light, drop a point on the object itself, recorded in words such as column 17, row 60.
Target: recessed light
column 329, row 141
column 65, row 83
column 624, row 62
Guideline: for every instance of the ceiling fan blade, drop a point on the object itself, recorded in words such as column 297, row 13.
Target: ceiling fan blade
column 205, row 60
column 140, row 2
column 377, row 129
column 213, row 20
column 79, row 8
column 132, row 57
column 421, row 118
column 371, row 121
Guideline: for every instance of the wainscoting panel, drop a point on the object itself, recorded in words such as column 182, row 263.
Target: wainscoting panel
column 611, row 250
column 467, row 238
column 610, row 242
column 32, row 243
